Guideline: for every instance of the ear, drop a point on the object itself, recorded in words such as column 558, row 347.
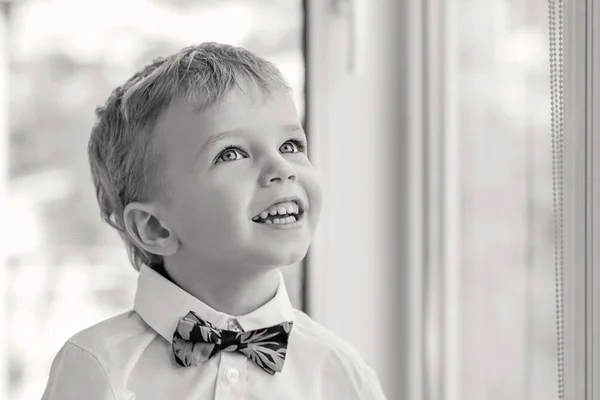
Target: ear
column 148, row 231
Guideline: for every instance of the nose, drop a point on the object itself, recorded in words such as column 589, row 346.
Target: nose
column 277, row 170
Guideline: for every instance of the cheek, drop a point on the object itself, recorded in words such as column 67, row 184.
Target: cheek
column 212, row 206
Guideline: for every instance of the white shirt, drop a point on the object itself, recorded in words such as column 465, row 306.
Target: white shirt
column 130, row 356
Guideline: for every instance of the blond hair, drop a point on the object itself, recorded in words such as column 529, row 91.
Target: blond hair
column 124, row 160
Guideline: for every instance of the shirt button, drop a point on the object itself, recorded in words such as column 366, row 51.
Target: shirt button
column 233, row 375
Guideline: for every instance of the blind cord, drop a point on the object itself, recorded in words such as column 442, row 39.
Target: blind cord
column 555, row 16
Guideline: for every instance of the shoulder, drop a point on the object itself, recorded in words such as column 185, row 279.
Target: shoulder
column 336, row 358
column 91, row 361
column 110, row 334
column 339, row 352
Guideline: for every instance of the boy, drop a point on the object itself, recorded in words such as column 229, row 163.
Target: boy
column 199, row 162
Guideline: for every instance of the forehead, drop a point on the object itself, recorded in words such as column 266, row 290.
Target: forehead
column 182, row 127
column 250, row 106
column 247, row 103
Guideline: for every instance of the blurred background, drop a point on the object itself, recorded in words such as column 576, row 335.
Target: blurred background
column 64, row 270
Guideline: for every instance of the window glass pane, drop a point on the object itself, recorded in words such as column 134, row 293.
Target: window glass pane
column 507, row 304
column 68, row 270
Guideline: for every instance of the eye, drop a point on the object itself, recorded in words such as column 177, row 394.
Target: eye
column 230, row 153
column 292, row 146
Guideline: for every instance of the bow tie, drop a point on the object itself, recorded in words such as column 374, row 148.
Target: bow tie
column 196, row 340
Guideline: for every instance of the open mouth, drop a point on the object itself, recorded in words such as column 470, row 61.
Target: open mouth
column 281, row 213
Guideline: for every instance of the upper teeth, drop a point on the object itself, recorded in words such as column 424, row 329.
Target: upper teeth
column 288, row 207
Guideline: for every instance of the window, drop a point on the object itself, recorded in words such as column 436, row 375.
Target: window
column 448, row 131
column 499, row 325
column 66, row 270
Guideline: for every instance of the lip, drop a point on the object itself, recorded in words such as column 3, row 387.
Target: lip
column 293, row 226
column 301, row 207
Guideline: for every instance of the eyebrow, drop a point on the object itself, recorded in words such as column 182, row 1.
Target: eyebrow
column 288, row 128
column 218, row 137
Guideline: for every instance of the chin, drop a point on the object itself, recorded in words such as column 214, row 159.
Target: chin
column 283, row 258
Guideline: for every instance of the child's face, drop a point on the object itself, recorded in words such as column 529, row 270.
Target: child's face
column 216, row 192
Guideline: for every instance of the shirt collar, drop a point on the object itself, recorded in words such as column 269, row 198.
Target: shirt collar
column 161, row 304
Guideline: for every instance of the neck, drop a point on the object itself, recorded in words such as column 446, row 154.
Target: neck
column 234, row 294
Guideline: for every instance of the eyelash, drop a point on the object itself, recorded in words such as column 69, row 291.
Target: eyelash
column 299, row 145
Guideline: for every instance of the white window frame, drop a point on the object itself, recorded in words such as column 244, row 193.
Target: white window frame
column 425, row 360
column 581, row 199
column 4, row 144
column 441, row 218
column 354, row 120
column 429, row 360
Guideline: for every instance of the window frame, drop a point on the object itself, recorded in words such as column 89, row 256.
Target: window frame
column 385, row 98
column 4, row 145
column 429, row 29
column 441, row 198
column 581, row 233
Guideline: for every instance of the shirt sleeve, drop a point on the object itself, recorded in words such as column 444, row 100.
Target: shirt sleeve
column 77, row 374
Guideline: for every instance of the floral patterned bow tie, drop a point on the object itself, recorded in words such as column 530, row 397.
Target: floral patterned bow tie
column 196, row 340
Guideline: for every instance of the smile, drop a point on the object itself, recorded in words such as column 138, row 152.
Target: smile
column 281, row 214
